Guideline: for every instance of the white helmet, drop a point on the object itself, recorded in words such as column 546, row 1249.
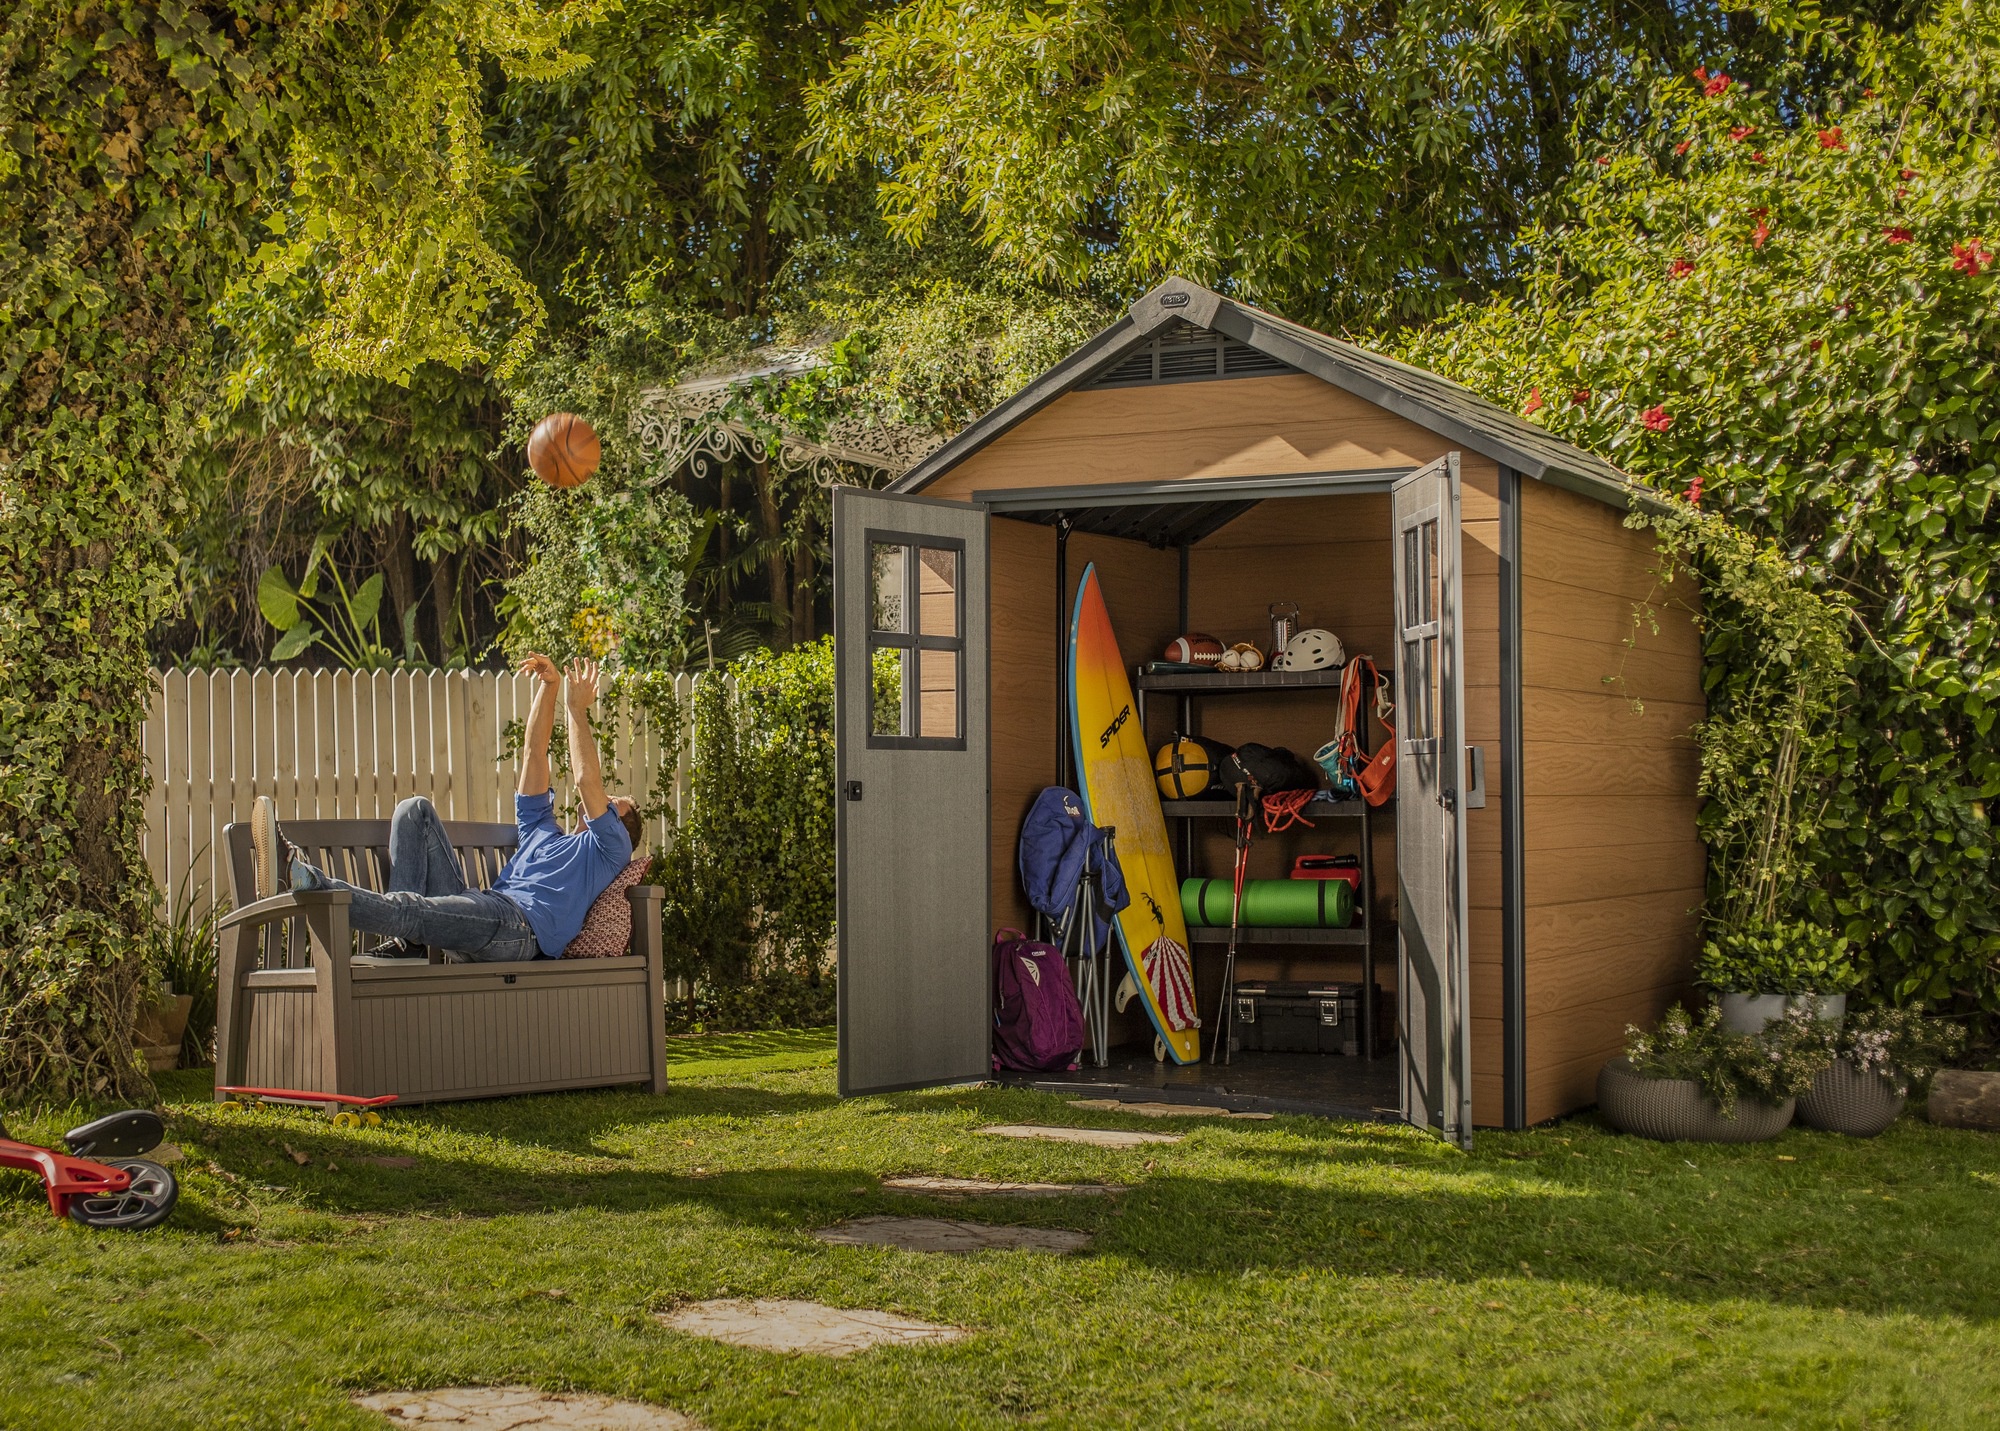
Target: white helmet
column 1314, row 649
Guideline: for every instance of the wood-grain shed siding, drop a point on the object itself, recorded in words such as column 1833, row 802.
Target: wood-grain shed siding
column 1612, row 867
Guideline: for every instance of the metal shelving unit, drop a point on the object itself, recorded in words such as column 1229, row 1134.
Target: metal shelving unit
column 1186, row 688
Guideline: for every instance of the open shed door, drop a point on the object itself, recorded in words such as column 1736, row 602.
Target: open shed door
column 912, row 866
column 1433, row 974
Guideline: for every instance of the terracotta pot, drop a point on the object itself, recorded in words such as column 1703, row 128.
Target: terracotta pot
column 158, row 1028
column 1843, row 1099
column 1676, row 1110
column 1748, row 1013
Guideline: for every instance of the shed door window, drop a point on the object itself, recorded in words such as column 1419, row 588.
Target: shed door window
column 1420, row 634
column 916, row 641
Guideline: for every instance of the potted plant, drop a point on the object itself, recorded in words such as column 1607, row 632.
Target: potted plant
column 1875, row 1059
column 1694, row 1079
column 1764, row 968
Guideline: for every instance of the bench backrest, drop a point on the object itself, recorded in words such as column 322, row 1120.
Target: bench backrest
column 357, row 851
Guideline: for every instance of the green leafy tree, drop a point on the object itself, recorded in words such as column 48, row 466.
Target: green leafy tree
column 1347, row 164
column 1789, row 318
column 144, row 152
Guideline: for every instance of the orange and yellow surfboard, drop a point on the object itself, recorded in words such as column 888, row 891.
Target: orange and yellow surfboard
column 1115, row 773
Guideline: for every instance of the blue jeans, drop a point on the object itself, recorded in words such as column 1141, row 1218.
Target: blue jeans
column 427, row 901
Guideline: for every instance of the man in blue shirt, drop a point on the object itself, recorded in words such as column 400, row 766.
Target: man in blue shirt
column 538, row 904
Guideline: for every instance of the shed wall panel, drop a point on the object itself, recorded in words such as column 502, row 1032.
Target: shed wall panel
column 1246, row 427
column 1612, row 865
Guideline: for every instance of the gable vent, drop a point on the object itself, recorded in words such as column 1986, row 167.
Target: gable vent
column 1186, row 354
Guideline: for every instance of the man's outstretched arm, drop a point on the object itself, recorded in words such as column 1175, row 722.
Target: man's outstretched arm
column 583, row 763
column 541, row 725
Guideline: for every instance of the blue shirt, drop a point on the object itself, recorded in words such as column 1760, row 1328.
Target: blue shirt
column 554, row 878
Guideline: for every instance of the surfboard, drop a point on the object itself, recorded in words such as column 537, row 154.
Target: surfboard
column 1115, row 771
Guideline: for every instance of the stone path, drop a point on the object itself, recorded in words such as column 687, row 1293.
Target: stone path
column 1163, row 1110
column 1096, row 1137
column 521, row 1408
column 789, row 1326
column 936, row 1234
column 986, row 1187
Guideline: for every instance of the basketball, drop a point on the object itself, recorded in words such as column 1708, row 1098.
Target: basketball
column 563, row 449
column 1183, row 768
column 1195, row 648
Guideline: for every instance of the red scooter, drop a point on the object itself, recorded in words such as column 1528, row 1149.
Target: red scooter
column 124, row 1190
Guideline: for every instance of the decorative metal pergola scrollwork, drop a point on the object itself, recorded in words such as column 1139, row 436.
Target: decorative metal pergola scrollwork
column 689, row 426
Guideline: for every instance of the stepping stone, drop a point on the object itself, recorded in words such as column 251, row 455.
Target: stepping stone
column 936, row 1234
column 521, row 1408
column 1096, row 1137
column 1163, row 1110
column 986, row 1187
column 789, row 1326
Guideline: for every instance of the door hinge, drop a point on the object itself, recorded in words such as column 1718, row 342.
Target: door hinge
column 853, row 790
column 1448, row 798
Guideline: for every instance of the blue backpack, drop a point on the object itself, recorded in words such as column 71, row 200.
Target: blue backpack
column 1037, row 1022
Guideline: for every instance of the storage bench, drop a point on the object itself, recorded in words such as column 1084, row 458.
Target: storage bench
column 296, row 1008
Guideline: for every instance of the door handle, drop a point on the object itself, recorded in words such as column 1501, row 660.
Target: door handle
column 853, row 790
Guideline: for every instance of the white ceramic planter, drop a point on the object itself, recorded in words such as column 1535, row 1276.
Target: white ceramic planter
column 1748, row 1013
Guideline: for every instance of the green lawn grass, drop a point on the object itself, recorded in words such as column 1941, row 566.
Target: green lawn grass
column 1284, row 1273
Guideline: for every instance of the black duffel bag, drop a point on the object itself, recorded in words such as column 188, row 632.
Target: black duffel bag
column 1268, row 770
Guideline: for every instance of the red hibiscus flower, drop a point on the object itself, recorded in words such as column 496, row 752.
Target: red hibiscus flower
column 1717, row 85
column 1603, row 159
column 1679, row 268
column 1534, row 403
column 1971, row 258
column 1763, row 229
column 1683, row 147
column 1656, row 418
column 1742, row 132
column 1898, row 234
column 1906, row 174
column 1814, row 345
column 1830, row 139
column 1694, row 488
column 1579, row 397
column 1756, row 156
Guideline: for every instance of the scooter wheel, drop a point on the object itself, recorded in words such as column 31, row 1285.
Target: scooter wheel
column 144, row 1204
column 347, row 1120
column 1159, row 1050
column 231, row 1106
column 372, row 1118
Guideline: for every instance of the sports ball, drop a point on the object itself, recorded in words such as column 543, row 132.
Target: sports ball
column 1243, row 656
column 1182, row 768
column 563, row 449
column 1196, row 648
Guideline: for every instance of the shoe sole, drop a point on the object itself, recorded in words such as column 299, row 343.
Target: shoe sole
column 264, row 845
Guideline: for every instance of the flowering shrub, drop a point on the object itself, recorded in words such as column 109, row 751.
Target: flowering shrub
column 1780, row 1063
column 1902, row 1047
column 1828, row 368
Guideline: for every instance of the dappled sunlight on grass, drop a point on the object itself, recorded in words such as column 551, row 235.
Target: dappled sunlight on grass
column 1274, row 1271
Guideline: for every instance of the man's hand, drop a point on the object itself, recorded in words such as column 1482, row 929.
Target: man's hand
column 536, row 664
column 582, row 689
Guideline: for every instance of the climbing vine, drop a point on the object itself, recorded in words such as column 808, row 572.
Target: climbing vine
column 156, row 159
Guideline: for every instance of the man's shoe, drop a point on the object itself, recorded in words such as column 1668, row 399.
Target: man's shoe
column 272, row 854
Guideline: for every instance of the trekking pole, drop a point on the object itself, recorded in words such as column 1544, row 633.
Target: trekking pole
column 1225, row 1017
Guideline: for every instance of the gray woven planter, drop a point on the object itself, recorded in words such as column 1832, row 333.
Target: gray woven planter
column 1843, row 1099
column 1675, row 1110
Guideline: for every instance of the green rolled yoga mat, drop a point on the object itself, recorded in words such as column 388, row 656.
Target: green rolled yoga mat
column 1271, row 903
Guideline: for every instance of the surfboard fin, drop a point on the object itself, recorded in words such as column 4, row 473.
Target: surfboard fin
column 1127, row 992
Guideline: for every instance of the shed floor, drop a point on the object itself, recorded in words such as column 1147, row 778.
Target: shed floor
column 1321, row 1085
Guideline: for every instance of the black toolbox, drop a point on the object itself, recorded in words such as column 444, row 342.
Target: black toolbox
column 1274, row 1016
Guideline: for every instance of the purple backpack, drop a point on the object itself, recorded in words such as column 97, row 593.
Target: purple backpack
column 1037, row 1022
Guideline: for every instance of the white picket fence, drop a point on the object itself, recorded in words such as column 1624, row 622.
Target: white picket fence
column 348, row 745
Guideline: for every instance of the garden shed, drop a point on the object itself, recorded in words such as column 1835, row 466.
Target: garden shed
column 1536, row 875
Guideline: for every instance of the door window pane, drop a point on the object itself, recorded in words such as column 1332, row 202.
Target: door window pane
column 937, row 592
column 938, row 715
column 887, row 703
column 887, row 587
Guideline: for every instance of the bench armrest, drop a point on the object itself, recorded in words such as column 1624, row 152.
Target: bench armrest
column 284, row 906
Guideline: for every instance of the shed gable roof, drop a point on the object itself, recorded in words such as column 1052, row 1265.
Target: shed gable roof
column 1437, row 404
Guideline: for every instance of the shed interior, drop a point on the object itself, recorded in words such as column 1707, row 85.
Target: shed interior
column 1214, row 567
